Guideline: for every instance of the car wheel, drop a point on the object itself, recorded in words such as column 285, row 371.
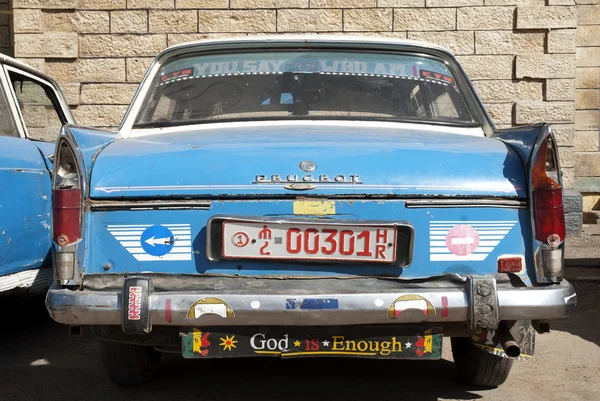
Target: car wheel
column 128, row 364
column 478, row 367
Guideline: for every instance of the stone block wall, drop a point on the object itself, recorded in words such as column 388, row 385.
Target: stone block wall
column 5, row 42
column 587, row 104
column 530, row 60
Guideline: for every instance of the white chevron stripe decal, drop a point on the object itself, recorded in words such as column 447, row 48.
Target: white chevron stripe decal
column 163, row 249
column 453, row 241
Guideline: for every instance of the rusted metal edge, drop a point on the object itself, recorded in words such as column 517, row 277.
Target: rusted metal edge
column 504, row 203
column 202, row 204
column 205, row 204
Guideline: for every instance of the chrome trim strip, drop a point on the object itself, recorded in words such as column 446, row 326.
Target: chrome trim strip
column 94, row 205
column 104, row 308
column 34, row 281
column 205, row 204
column 276, row 187
column 503, row 203
column 306, row 38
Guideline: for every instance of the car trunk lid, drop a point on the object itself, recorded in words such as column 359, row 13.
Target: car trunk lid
column 232, row 160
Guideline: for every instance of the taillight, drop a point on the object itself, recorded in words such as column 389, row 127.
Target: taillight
column 547, row 196
column 66, row 212
column 548, row 212
column 66, row 197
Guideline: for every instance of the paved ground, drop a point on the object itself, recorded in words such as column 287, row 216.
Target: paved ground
column 38, row 361
column 584, row 250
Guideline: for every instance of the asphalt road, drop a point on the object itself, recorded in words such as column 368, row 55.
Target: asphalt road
column 38, row 361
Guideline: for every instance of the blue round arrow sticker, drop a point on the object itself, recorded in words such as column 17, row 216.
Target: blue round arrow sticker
column 157, row 240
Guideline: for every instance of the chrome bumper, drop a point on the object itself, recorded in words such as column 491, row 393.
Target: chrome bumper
column 314, row 307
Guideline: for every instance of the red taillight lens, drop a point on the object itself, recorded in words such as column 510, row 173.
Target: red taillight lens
column 549, row 216
column 66, row 197
column 66, row 215
column 547, row 196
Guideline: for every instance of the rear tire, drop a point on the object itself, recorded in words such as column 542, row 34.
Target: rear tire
column 478, row 367
column 128, row 364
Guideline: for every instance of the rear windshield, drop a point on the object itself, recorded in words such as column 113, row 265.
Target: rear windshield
column 295, row 85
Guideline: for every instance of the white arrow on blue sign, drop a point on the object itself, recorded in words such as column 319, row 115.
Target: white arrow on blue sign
column 157, row 240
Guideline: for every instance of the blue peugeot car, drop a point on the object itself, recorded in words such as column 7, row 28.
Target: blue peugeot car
column 32, row 112
column 317, row 196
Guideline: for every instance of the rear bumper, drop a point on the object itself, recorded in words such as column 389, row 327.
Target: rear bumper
column 315, row 303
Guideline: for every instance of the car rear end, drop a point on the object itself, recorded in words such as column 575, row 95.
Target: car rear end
column 254, row 234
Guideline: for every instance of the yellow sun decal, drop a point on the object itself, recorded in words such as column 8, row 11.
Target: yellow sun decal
column 228, row 343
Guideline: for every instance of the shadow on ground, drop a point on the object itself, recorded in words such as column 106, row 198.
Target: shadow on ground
column 584, row 322
column 39, row 361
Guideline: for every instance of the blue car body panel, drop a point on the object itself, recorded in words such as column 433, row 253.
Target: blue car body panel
column 89, row 143
column 25, row 231
column 47, row 151
column 388, row 161
column 521, row 139
column 220, row 165
column 237, row 169
column 26, row 168
column 117, row 239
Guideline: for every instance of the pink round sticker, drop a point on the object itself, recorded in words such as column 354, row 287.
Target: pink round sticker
column 462, row 240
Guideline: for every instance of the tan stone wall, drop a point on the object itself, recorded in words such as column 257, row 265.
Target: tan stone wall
column 587, row 102
column 5, row 43
column 527, row 59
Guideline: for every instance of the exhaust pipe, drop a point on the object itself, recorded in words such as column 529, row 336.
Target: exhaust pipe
column 75, row 331
column 508, row 342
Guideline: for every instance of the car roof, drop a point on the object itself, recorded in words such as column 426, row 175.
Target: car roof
column 4, row 59
column 306, row 39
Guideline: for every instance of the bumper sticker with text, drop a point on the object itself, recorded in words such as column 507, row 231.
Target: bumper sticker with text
column 295, row 342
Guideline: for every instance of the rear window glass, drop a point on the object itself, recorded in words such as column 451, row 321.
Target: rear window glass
column 7, row 125
column 38, row 109
column 295, row 85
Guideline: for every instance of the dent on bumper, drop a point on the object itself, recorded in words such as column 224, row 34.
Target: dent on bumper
column 426, row 304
